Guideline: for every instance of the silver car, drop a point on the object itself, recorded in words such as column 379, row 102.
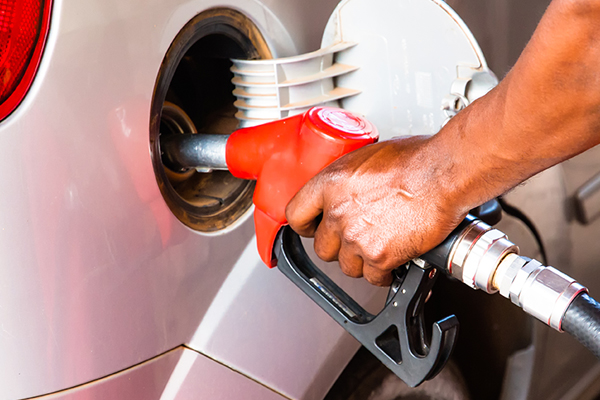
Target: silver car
column 123, row 279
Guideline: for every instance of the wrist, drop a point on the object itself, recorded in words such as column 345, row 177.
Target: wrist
column 473, row 167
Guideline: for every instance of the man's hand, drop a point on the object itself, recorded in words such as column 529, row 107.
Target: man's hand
column 382, row 205
column 389, row 202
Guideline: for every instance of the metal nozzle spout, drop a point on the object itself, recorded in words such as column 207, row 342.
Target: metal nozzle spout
column 204, row 152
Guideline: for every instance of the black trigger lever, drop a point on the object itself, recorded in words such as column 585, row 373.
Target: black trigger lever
column 397, row 336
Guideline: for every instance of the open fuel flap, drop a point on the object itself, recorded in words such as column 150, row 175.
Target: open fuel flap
column 408, row 66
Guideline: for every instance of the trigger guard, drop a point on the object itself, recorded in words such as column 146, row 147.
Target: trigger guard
column 385, row 335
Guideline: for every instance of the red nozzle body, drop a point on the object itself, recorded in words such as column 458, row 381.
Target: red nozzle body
column 283, row 155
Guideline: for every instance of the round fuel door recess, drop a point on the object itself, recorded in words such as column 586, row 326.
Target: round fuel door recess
column 194, row 94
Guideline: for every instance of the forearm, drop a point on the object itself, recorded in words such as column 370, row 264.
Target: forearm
column 546, row 110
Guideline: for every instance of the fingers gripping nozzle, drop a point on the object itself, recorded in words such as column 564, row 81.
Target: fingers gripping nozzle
column 283, row 155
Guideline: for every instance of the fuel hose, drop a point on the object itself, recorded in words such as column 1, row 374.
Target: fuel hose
column 582, row 320
column 483, row 258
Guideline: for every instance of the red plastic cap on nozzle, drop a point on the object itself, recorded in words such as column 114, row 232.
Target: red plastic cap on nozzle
column 341, row 124
column 283, row 155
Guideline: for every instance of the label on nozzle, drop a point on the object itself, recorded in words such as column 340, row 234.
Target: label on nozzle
column 343, row 121
column 346, row 124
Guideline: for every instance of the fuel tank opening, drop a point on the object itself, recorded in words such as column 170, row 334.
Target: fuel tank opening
column 194, row 93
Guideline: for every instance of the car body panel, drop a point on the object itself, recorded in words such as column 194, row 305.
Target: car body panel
column 171, row 376
column 98, row 275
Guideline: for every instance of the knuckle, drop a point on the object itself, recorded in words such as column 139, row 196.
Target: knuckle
column 305, row 230
column 326, row 244
column 336, row 210
column 375, row 257
column 290, row 214
column 351, row 271
column 349, row 238
column 377, row 276
column 374, row 280
column 324, row 252
column 351, row 264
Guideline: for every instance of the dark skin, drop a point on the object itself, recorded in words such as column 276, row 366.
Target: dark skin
column 387, row 203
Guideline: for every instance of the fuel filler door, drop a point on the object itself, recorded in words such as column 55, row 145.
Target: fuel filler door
column 408, row 66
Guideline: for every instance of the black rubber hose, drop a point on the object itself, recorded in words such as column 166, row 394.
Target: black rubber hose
column 582, row 320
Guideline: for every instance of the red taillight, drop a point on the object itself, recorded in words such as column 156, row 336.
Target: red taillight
column 23, row 29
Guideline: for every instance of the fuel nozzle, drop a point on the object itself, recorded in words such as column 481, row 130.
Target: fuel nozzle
column 483, row 258
column 281, row 156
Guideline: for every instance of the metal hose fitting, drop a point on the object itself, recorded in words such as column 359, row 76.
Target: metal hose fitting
column 541, row 291
column 204, row 152
column 477, row 253
column 483, row 258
